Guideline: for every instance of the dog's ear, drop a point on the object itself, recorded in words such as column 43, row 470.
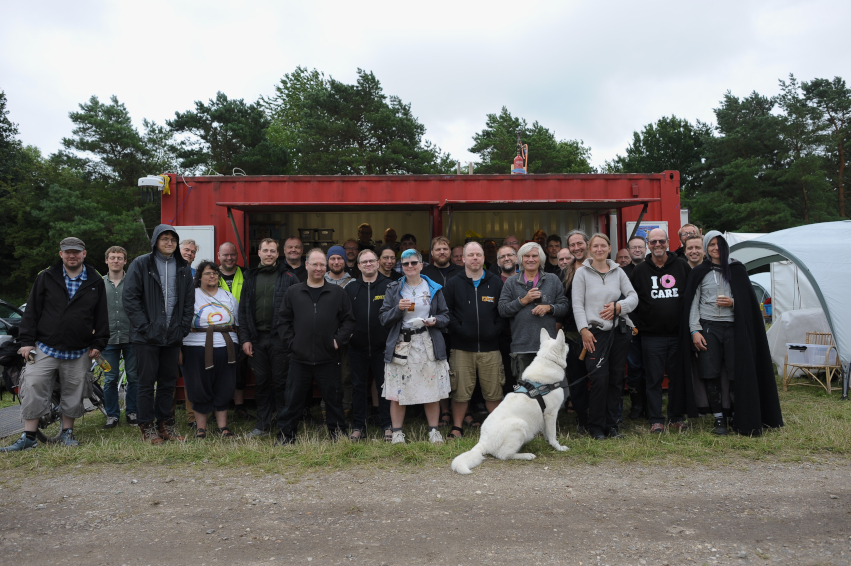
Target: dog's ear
column 560, row 339
column 545, row 336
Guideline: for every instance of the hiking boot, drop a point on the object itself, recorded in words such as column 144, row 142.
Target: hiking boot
column 284, row 440
column 720, row 426
column 149, row 433
column 66, row 438
column 657, row 428
column 637, row 402
column 111, row 422
column 614, row 433
column 398, row 437
column 257, row 433
column 435, row 437
column 677, row 426
column 131, row 419
column 23, row 443
column 168, row 431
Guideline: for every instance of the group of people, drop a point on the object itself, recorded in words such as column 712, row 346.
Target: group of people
column 358, row 320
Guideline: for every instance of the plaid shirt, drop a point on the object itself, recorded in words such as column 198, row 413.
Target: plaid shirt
column 73, row 285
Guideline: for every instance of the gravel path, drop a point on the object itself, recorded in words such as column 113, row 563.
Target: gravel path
column 504, row 513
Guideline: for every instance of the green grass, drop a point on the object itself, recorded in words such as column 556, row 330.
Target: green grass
column 818, row 428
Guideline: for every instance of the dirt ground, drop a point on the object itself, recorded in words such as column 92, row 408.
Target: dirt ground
column 504, row 513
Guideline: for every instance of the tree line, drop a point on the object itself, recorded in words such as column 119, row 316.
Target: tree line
column 770, row 162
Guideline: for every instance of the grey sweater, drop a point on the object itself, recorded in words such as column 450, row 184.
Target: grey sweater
column 592, row 290
column 167, row 268
column 703, row 306
column 525, row 326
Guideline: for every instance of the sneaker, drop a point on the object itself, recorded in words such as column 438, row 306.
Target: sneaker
column 168, row 431
column 23, row 443
column 657, row 428
column 614, row 433
column 131, row 419
column 257, row 433
column 720, row 426
column 435, row 437
column 149, row 433
column 677, row 426
column 67, row 438
column 398, row 437
column 111, row 422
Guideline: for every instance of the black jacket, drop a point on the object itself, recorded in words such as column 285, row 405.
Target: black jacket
column 248, row 300
column 432, row 272
column 474, row 321
column 367, row 298
column 299, row 272
column 661, row 292
column 53, row 320
column 144, row 302
column 309, row 329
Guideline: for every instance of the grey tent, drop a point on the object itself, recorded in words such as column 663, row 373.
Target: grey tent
column 822, row 253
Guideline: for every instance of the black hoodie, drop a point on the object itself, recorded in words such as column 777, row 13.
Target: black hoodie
column 474, row 321
column 369, row 335
column 145, row 303
column 660, row 295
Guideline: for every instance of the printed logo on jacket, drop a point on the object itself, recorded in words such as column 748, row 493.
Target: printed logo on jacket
column 669, row 291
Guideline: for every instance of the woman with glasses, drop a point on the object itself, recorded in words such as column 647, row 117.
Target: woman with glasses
column 416, row 370
column 209, row 356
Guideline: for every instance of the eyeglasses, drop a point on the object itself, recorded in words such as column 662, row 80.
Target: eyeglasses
column 657, row 242
column 688, row 234
column 410, row 263
column 168, row 240
column 636, row 248
column 505, row 256
column 367, row 261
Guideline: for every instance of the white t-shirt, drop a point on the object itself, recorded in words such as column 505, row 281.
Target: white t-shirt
column 421, row 296
column 218, row 310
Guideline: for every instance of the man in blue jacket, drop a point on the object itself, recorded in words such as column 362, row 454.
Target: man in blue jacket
column 475, row 326
column 159, row 297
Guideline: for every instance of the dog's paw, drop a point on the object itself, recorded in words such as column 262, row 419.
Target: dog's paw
column 562, row 448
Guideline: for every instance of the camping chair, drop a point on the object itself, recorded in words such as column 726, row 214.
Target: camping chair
column 811, row 370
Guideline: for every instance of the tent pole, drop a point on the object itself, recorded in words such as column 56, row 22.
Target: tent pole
column 637, row 223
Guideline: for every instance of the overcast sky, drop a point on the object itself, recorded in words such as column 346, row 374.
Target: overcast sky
column 594, row 71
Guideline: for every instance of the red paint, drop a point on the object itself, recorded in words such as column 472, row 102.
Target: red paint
column 207, row 201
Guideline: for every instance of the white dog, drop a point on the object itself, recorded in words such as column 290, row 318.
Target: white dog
column 519, row 418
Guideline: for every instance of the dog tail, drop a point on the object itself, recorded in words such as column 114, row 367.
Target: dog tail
column 464, row 463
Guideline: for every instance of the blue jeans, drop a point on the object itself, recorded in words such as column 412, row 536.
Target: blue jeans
column 113, row 354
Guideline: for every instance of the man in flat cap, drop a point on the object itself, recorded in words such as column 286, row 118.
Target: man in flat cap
column 65, row 326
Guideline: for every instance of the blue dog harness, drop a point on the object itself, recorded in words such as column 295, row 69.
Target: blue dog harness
column 538, row 391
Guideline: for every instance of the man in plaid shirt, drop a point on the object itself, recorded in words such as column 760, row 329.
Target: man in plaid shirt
column 66, row 317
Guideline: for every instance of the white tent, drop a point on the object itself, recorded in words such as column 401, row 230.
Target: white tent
column 823, row 257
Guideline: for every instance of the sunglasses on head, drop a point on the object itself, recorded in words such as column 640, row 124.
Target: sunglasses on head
column 410, row 263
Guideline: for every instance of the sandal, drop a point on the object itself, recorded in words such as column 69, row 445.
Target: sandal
column 201, row 433
column 473, row 422
column 357, row 438
column 388, row 435
column 226, row 432
column 455, row 429
column 445, row 419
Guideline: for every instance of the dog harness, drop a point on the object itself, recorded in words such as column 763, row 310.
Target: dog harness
column 537, row 391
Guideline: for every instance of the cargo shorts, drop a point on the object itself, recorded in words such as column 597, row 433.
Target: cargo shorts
column 462, row 374
column 40, row 377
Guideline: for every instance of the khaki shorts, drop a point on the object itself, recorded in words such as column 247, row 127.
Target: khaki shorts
column 40, row 379
column 462, row 374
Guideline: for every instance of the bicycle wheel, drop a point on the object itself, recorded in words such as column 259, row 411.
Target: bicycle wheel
column 96, row 398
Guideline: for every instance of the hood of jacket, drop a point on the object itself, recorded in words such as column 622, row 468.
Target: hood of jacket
column 669, row 260
column 433, row 286
column 159, row 231
column 708, row 238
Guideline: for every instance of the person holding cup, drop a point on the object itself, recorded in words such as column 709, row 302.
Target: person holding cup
column 531, row 300
column 416, row 370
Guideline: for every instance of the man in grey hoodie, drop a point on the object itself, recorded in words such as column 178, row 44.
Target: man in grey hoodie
column 158, row 297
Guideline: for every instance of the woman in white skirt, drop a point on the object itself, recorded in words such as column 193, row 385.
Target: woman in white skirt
column 415, row 370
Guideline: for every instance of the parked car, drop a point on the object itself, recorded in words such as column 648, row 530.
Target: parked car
column 10, row 318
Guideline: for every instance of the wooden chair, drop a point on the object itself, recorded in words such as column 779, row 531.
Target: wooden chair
column 811, row 371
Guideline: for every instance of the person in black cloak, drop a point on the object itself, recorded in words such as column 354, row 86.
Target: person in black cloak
column 723, row 324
